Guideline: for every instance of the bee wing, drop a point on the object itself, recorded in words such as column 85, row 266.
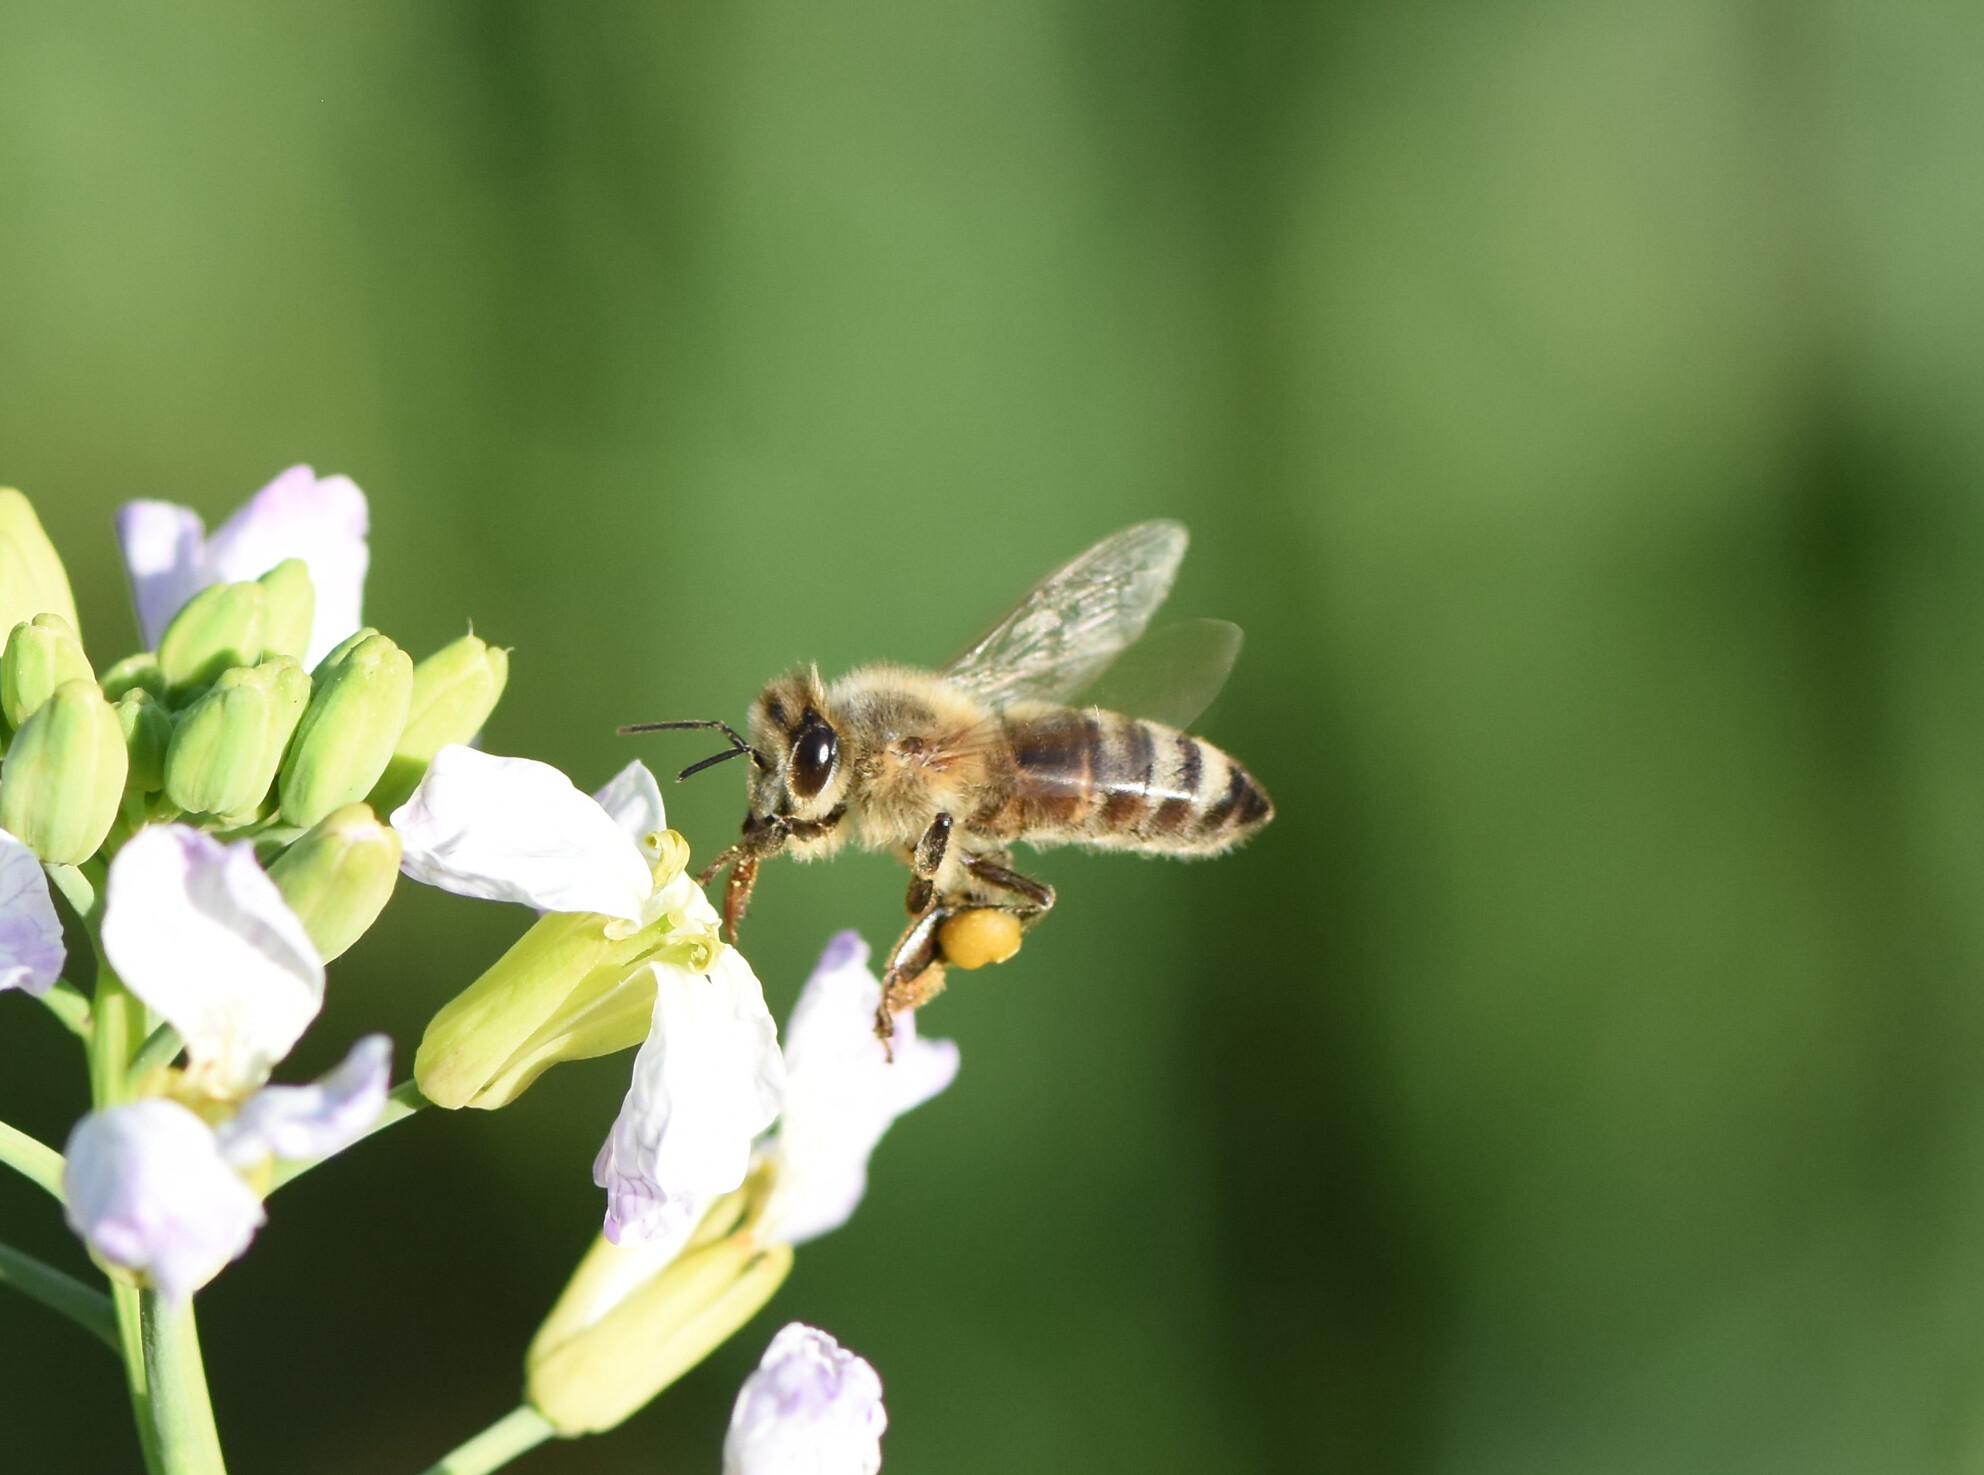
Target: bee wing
column 1172, row 674
column 1077, row 620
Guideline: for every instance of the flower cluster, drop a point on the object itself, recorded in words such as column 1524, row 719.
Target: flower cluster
column 229, row 810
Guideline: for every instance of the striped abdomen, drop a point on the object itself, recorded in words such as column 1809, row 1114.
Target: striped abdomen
column 1099, row 778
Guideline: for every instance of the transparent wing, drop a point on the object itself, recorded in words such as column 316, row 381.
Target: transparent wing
column 1076, row 621
column 1172, row 674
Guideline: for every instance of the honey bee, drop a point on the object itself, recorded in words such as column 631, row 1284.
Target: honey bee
column 949, row 769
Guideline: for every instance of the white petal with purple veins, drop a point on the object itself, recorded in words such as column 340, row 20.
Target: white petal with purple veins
column 198, row 931
column 146, row 1187
column 313, row 1121
column 513, row 829
column 164, row 549
column 707, row 1081
column 811, row 1408
column 633, row 798
column 31, row 954
column 842, row 1093
column 321, row 520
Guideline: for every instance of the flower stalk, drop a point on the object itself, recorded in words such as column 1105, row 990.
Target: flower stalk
column 522, row 1429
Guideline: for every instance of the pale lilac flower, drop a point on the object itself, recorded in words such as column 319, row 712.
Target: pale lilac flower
column 514, row 829
column 811, row 1408
column 706, row 1082
column 841, row 1093
column 313, row 1121
column 198, row 931
column 146, row 1187
column 321, row 520
column 31, row 954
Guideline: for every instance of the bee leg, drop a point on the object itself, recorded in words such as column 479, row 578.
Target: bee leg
column 1036, row 898
column 926, row 862
column 915, row 972
column 737, row 890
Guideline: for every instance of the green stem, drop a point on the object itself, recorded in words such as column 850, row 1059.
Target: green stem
column 401, row 1102
column 66, row 1002
column 131, row 1342
column 35, row 1161
column 161, row 1047
column 87, row 1308
column 523, row 1428
column 182, row 1416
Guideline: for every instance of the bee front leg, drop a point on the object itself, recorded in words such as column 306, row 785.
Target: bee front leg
column 924, row 864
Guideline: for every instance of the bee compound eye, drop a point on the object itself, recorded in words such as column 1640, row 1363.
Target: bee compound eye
column 813, row 754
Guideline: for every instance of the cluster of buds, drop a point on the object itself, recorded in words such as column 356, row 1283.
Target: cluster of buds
column 231, row 808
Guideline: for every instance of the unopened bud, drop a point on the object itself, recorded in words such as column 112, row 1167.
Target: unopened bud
column 31, row 577
column 454, row 691
column 220, row 627
column 339, row 876
column 289, row 604
column 147, row 729
column 64, row 775
column 41, row 654
column 638, row 1335
column 229, row 743
column 357, row 708
column 134, row 673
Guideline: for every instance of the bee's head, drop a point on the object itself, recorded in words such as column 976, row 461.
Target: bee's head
column 805, row 776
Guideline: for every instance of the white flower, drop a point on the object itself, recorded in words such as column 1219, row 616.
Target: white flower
column 811, row 1408
column 633, row 799
column 706, row 1082
column 321, row 520
column 513, row 829
column 146, row 1187
column 314, row 1121
column 31, row 954
column 842, row 1093
column 198, row 931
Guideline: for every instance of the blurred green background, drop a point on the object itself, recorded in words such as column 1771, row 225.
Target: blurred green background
column 1579, row 405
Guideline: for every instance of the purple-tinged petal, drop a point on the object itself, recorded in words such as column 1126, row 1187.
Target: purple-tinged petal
column 313, row 1121
column 514, row 829
column 811, row 1408
column 31, row 954
column 198, row 931
column 321, row 520
column 164, row 558
column 146, row 1187
column 842, row 1093
column 706, row 1082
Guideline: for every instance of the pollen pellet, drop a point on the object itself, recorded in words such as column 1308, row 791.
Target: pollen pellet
column 980, row 936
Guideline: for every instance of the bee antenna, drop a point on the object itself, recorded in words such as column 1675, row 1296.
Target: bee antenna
column 738, row 747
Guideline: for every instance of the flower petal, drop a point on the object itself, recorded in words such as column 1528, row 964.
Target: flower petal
column 842, row 1093
column 31, row 954
column 146, row 1187
column 198, row 931
column 706, row 1082
column 164, row 557
column 321, row 520
column 313, row 1121
column 811, row 1408
column 633, row 798
column 513, row 829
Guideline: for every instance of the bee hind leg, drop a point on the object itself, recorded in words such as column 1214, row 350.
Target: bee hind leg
column 915, row 971
column 1032, row 899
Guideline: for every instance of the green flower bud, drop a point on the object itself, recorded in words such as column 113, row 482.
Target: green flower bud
column 454, row 691
column 229, row 743
column 348, row 731
column 134, row 673
column 289, row 604
column 221, row 626
column 64, row 775
column 616, row 1339
column 339, row 876
column 31, row 578
column 41, row 654
column 147, row 729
